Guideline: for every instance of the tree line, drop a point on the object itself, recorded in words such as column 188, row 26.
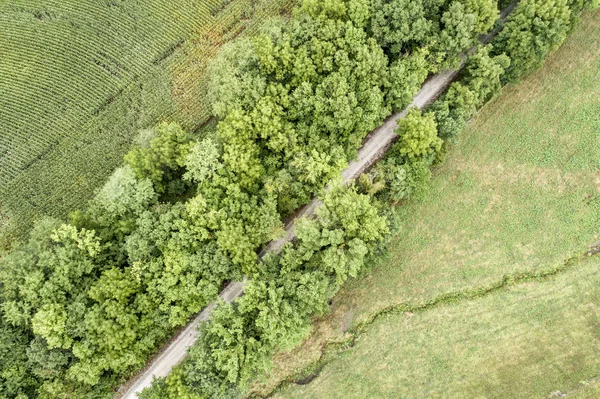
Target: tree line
column 85, row 302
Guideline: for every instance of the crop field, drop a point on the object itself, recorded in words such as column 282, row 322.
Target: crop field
column 484, row 293
column 79, row 79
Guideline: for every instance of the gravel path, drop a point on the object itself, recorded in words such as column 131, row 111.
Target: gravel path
column 373, row 149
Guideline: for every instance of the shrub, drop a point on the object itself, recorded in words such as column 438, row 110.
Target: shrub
column 405, row 180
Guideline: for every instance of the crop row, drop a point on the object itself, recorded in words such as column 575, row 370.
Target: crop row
column 69, row 122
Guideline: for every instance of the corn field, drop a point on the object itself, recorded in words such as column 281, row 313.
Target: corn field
column 79, row 79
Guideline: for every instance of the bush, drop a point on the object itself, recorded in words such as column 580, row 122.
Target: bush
column 405, row 180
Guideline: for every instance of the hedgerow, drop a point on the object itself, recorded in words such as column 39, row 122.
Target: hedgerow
column 402, row 173
column 95, row 296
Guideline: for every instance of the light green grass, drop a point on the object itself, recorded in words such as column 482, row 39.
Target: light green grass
column 80, row 78
column 519, row 194
column 527, row 341
column 586, row 390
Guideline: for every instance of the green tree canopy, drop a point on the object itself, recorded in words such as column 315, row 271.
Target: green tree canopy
column 534, row 28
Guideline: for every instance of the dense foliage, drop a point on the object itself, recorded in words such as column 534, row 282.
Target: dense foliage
column 534, row 29
column 287, row 290
column 213, row 370
column 85, row 303
column 280, row 298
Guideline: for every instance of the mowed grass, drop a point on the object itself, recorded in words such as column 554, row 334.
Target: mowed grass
column 80, row 78
column 519, row 194
column 529, row 341
column 586, row 390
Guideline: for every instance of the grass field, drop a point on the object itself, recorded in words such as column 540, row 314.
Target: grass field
column 586, row 390
column 518, row 196
column 527, row 341
column 79, row 79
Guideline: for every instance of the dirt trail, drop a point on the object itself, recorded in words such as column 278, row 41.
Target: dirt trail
column 372, row 150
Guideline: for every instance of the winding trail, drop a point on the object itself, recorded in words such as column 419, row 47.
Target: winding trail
column 373, row 149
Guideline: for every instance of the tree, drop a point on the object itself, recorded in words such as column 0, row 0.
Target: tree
column 203, row 161
column 124, row 195
column 45, row 362
column 338, row 241
column 163, row 160
column 16, row 378
column 480, row 81
column 482, row 74
column 239, row 339
column 453, row 110
column 457, row 34
column 115, row 207
column 324, row 10
column 417, row 136
column 485, row 11
column 172, row 387
column 577, row 6
column 113, row 329
column 241, row 153
column 189, row 281
column 284, row 293
column 239, row 221
column 45, row 274
column 45, row 286
column 407, row 74
column 234, row 349
column 400, row 25
column 534, row 28
column 50, row 322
